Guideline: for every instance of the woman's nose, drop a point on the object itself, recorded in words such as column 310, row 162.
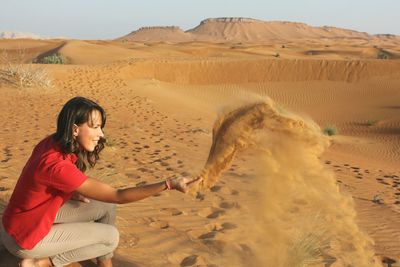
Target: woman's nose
column 101, row 134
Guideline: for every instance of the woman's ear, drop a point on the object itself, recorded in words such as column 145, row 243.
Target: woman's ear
column 75, row 130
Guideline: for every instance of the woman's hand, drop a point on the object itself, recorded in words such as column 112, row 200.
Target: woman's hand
column 78, row 197
column 182, row 184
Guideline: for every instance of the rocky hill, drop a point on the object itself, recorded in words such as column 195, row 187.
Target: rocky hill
column 238, row 29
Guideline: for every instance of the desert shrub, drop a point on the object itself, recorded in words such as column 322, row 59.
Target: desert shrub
column 15, row 73
column 377, row 199
column 110, row 142
column 277, row 55
column 309, row 245
column 372, row 122
column 52, row 59
column 330, row 130
column 383, row 55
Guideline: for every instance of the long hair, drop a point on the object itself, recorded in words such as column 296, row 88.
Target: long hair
column 77, row 111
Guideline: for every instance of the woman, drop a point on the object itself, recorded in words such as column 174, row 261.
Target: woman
column 44, row 224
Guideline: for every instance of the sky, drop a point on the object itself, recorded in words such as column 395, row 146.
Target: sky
column 109, row 19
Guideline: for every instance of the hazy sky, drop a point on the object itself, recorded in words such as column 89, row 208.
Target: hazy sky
column 109, row 19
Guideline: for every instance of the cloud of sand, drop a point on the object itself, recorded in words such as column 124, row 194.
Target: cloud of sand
column 301, row 219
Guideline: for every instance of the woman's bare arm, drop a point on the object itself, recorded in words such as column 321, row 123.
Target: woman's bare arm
column 97, row 190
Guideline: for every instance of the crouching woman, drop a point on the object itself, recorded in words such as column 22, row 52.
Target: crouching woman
column 57, row 215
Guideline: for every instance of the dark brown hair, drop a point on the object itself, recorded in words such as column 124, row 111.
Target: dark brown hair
column 78, row 110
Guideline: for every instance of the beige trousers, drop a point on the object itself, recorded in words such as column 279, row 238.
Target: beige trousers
column 81, row 231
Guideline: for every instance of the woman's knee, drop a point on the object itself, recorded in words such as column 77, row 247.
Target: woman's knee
column 113, row 237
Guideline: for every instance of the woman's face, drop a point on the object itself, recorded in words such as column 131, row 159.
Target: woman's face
column 89, row 133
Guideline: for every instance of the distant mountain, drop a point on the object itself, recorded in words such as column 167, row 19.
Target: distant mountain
column 18, row 35
column 158, row 34
column 246, row 30
column 252, row 30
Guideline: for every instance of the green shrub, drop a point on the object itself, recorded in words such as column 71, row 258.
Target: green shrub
column 330, row 130
column 110, row 142
column 383, row 55
column 52, row 59
column 377, row 199
column 372, row 122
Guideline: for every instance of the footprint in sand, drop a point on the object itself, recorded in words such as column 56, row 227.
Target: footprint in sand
column 132, row 175
column 228, row 226
column 228, row 205
column 159, row 224
column 7, row 153
column 189, row 261
column 211, row 213
column 208, row 235
column 142, row 169
column 215, row 188
column 234, row 192
column 185, row 174
column 245, row 251
column 221, row 227
column 215, row 245
column 380, row 180
column 171, row 211
column 163, row 163
column 224, row 190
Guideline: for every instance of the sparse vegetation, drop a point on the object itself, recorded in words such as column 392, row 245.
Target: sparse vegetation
column 110, row 143
column 310, row 245
column 15, row 73
column 382, row 54
column 330, row 130
column 377, row 199
column 277, row 55
column 372, row 122
column 52, row 59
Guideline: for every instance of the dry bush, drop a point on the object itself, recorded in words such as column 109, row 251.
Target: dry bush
column 15, row 73
column 310, row 245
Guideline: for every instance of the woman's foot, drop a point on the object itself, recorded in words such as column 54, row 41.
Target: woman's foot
column 45, row 262
column 104, row 263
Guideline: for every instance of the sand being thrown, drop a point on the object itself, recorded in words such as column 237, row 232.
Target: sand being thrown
column 301, row 218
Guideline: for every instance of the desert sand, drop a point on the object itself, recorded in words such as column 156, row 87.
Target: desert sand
column 163, row 98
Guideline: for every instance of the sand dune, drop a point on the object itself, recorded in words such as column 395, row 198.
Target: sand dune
column 25, row 50
column 210, row 71
column 97, row 52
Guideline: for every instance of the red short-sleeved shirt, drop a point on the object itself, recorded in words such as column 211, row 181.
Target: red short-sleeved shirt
column 46, row 183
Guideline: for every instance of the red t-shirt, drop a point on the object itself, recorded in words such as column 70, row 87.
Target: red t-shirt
column 46, row 183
